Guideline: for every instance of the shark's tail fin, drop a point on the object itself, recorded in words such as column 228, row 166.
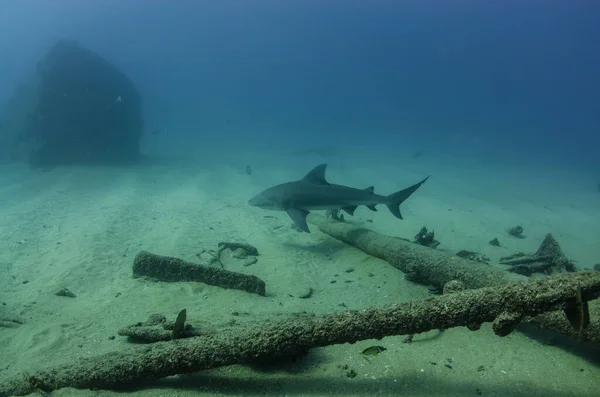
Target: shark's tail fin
column 395, row 199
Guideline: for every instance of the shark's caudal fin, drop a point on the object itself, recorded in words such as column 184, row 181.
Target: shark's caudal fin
column 395, row 199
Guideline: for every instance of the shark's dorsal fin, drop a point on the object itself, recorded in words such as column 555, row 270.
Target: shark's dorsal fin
column 370, row 189
column 317, row 175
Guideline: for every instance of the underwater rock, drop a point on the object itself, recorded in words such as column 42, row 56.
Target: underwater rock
column 516, row 231
column 351, row 374
column 65, row 292
column 77, row 109
column 494, row 242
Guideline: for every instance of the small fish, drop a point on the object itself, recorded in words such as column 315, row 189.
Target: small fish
column 372, row 352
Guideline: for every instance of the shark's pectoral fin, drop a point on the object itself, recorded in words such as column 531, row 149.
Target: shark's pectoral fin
column 350, row 209
column 372, row 208
column 298, row 215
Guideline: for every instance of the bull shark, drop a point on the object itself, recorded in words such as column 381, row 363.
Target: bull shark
column 313, row 192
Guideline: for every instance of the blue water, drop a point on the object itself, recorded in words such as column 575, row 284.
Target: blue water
column 492, row 81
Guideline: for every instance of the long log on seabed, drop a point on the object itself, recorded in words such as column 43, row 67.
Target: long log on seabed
column 429, row 265
column 438, row 268
column 505, row 306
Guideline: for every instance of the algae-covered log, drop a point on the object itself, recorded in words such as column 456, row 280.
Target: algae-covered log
column 431, row 266
column 166, row 268
column 294, row 336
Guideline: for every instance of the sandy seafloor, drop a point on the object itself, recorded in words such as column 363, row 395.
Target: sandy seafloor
column 80, row 228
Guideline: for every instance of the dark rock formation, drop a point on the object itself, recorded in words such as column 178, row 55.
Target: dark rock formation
column 79, row 109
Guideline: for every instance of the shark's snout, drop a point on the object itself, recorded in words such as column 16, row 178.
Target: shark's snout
column 265, row 200
column 254, row 201
column 260, row 201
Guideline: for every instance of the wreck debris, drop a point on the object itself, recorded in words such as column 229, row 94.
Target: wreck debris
column 243, row 251
column 426, row 238
column 505, row 305
column 158, row 329
column 239, row 248
column 548, row 259
column 165, row 268
column 516, row 231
